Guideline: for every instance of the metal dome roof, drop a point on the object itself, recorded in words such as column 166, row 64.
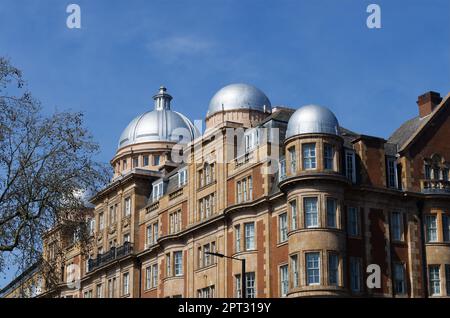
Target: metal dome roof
column 238, row 96
column 161, row 124
column 312, row 119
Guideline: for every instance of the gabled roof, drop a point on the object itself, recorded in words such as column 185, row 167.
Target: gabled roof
column 412, row 129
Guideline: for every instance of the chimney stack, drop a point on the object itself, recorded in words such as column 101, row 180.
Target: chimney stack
column 428, row 102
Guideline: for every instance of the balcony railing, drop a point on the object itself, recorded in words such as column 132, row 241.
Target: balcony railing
column 435, row 186
column 114, row 253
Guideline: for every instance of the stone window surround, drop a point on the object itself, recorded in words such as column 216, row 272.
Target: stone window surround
column 321, row 209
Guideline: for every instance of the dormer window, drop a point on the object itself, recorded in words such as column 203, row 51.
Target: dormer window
column 392, row 173
column 182, row 177
column 157, row 192
column 350, row 166
column 251, row 140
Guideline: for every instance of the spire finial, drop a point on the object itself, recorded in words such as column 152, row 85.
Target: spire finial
column 162, row 99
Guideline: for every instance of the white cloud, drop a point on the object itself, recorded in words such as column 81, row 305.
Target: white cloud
column 178, row 46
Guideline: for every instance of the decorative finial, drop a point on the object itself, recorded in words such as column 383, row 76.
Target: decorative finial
column 162, row 99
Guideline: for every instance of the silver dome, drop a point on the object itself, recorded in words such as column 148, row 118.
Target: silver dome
column 312, row 119
column 161, row 124
column 238, row 96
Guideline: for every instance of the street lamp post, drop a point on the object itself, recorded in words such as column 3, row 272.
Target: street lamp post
column 242, row 260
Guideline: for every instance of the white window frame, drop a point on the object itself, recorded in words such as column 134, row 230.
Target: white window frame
column 157, row 192
column 182, row 177
column 295, row 271
column 311, row 216
column 237, row 238
column 284, row 280
column 250, row 284
column 312, row 268
column 294, row 214
column 148, row 277
column 283, row 227
column 432, row 228
column 126, row 284
column 127, row 204
column 154, row 275
column 237, row 286
column 249, row 236
column 434, row 280
column 178, row 263
column 309, row 156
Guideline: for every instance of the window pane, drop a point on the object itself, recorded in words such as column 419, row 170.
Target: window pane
column 283, row 227
column 435, row 282
column 250, row 285
column 446, row 227
column 328, row 156
column 333, row 265
column 311, row 215
column 294, row 269
column 284, row 280
column 249, row 236
column 396, row 226
column 355, row 274
column 309, row 156
column 312, row 268
column 431, row 228
column 331, row 212
column 399, row 279
column 353, row 221
column 293, row 205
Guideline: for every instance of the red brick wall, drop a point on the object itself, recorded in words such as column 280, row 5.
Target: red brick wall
column 278, row 256
column 260, row 274
column 378, row 246
column 230, row 251
column 435, row 139
column 231, row 193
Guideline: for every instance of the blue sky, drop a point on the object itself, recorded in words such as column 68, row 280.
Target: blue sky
column 297, row 52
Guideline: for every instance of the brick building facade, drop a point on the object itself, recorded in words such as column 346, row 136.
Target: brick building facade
column 309, row 204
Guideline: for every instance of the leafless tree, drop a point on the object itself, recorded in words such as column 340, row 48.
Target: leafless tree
column 47, row 167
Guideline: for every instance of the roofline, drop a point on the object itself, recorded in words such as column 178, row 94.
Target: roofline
column 417, row 133
column 18, row 279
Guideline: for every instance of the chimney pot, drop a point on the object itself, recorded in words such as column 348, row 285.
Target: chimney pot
column 428, row 102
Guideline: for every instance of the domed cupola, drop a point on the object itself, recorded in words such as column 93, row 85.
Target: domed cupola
column 239, row 102
column 312, row 119
column 239, row 96
column 159, row 125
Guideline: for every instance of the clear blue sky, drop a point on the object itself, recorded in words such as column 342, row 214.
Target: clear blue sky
column 297, row 52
